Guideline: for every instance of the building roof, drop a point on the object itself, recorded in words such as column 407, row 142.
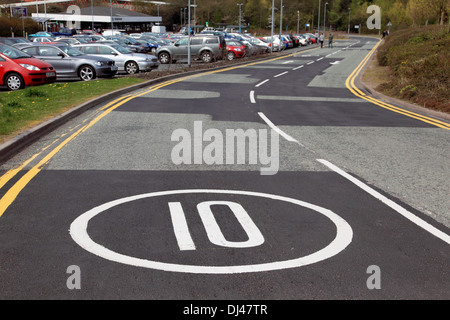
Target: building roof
column 100, row 14
column 117, row 12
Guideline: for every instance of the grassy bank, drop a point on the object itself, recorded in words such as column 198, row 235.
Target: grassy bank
column 418, row 60
column 20, row 110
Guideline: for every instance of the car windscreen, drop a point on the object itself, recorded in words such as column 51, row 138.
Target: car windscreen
column 121, row 49
column 13, row 53
column 71, row 51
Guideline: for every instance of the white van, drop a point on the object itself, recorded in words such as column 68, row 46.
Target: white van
column 115, row 32
column 158, row 29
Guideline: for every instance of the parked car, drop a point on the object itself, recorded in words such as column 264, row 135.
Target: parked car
column 235, row 49
column 19, row 69
column 128, row 43
column 125, row 59
column 71, row 63
column 311, row 38
column 64, row 32
column 287, row 38
column 39, row 34
column 67, row 40
column 44, row 40
column 262, row 45
column 12, row 40
column 207, row 48
column 302, row 40
column 277, row 44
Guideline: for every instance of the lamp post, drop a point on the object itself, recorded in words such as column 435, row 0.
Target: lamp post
column 318, row 19
column 324, row 16
column 281, row 18
column 298, row 21
column 92, row 14
column 271, row 30
column 189, row 33
column 348, row 21
column 112, row 26
column 240, row 16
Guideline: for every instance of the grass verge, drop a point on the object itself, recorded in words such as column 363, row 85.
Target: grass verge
column 418, row 60
column 22, row 109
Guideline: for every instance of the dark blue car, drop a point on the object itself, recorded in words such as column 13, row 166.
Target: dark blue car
column 64, row 32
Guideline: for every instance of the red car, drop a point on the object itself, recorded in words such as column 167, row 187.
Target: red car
column 18, row 69
column 235, row 49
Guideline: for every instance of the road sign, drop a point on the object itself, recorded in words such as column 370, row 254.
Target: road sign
column 343, row 233
column 19, row 11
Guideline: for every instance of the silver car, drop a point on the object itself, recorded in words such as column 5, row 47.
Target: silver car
column 208, row 48
column 71, row 63
column 125, row 59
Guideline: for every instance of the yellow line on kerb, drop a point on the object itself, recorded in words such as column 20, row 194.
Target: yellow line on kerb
column 14, row 191
column 350, row 84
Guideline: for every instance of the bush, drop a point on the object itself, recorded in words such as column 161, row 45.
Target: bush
column 420, row 62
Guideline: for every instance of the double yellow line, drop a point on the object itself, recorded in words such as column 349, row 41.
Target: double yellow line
column 350, row 83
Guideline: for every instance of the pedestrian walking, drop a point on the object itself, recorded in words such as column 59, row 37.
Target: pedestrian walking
column 321, row 40
column 330, row 41
column 316, row 36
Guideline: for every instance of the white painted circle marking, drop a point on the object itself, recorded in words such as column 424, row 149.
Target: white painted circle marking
column 344, row 235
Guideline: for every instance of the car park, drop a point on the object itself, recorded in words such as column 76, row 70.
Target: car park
column 18, row 69
column 71, row 63
column 206, row 48
column 125, row 59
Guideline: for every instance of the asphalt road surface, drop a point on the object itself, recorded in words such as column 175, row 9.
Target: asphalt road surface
column 151, row 196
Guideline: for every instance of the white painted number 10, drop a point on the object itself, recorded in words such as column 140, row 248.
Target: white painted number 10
column 213, row 231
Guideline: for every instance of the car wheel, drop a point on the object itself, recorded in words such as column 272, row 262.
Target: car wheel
column 230, row 55
column 164, row 58
column 207, row 57
column 153, row 50
column 131, row 67
column 14, row 82
column 86, row 73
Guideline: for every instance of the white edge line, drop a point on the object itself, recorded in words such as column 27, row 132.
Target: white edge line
column 260, row 84
column 405, row 213
column 279, row 75
column 276, row 129
column 252, row 96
